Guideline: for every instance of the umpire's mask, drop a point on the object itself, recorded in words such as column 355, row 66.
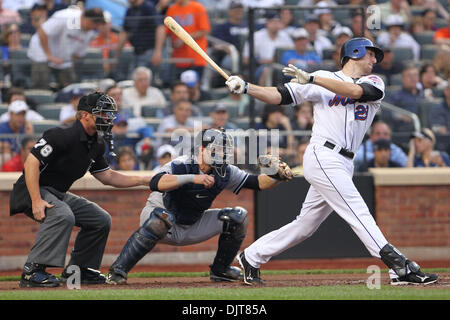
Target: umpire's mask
column 103, row 107
column 219, row 149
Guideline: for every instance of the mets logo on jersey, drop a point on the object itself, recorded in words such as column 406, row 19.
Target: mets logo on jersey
column 361, row 111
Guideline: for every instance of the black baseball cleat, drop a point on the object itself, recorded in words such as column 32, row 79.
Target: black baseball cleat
column 415, row 278
column 230, row 274
column 88, row 276
column 34, row 275
column 251, row 274
column 116, row 277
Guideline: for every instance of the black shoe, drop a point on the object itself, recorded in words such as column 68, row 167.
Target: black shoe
column 251, row 274
column 116, row 277
column 34, row 275
column 416, row 278
column 88, row 276
column 230, row 274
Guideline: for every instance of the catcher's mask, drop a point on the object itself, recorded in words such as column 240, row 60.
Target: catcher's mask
column 103, row 107
column 219, row 149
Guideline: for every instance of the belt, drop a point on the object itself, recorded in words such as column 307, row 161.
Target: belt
column 344, row 152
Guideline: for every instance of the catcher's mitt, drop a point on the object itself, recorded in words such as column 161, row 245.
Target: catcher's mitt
column 274, row 167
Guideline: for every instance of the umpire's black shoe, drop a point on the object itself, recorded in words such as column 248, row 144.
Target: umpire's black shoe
column 34, row 275
column 88, row 276
column 251, row 274
column 230, row 274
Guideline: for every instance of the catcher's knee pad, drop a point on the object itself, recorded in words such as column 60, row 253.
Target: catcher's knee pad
column 235, row 221
column 143, row 240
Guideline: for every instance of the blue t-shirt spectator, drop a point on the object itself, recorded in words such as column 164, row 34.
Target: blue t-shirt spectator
column 14, row 142
column 231, row 33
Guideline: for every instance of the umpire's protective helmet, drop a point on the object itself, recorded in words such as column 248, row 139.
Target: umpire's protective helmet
column 102, row 106
column 356, row 48
column 220, row 146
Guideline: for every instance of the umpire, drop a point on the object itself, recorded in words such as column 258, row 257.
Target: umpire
column 59, row 158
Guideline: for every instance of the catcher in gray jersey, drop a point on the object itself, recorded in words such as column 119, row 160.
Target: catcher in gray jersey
column 178, row 210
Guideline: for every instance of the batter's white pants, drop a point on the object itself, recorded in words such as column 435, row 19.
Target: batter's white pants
column 332, row 189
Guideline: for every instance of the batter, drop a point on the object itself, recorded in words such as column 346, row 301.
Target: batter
column 345, row 103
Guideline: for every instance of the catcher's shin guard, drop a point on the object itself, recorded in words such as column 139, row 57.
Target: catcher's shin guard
column 142, row 241
column 235, row 222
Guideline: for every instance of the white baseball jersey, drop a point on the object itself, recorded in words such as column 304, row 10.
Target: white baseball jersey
column 340, row 120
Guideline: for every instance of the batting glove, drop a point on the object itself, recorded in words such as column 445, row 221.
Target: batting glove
column 299, row 76
column 236, row 85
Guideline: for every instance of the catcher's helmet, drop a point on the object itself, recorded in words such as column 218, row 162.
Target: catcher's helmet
column 220, row 146
column 356, row 48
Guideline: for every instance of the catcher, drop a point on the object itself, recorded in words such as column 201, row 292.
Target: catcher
column 178, row 210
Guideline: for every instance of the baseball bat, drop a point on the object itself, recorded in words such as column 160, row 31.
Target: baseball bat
column 187, row 39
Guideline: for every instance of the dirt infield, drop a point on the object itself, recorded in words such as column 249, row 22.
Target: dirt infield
column 293, row 280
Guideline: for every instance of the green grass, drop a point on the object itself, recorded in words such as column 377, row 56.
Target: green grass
column 341, row 292
column 347, row 292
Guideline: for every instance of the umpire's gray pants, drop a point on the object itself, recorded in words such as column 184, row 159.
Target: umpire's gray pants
column 52, row 239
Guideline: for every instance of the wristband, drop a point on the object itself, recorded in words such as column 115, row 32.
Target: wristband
column 245, row 87
column 185, row 179
column 311, row 79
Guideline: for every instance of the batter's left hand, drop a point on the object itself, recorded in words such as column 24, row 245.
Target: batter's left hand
column 299, row 76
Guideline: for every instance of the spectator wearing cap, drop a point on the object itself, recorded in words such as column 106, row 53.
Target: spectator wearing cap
column 422, row 153
column 165, row 154
column 316, row 40
column 301, row 57
column 16, row 124
column 15, row 94
column 439, row 116
column 387, row 67
column 396, row 37
column 68, row 112
column 408, row 97
column 381, row 156
column 59, row 41
column 38, row 15
column 394, row 7
column 341, row 34
column 192, row 80
column 142, row 93
column 126, row 159
column 379, row 130
column 266, row 41
column 16, row 163
column 326, row 19
column 231, row 31
column 219, row 118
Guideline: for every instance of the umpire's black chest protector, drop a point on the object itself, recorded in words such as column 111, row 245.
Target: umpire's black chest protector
column 190, row 201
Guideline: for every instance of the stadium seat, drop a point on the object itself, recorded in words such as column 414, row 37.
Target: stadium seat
column 40, row 96
column 41, row 126
column 427, row 52
column 149, row 111
column 424, row 110
column 20, row 68
column 424, row 38
column 124, row 67
column 3, row 108
column 218, row 93
column 328, row 53
column 50, row 111
column 90, row 66
column 402, row 54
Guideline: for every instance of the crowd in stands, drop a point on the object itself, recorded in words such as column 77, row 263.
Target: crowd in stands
column 55, row 51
